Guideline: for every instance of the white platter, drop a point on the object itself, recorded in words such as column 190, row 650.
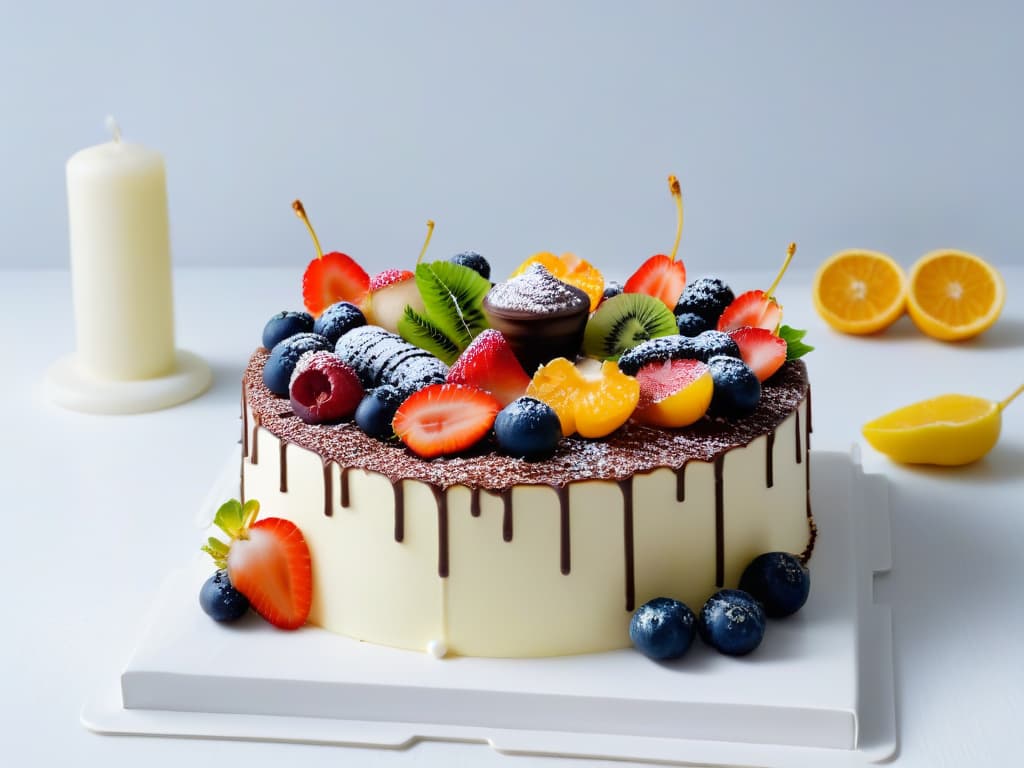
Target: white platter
column 818, row 692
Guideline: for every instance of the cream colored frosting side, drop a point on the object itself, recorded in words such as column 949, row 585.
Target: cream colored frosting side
column 510, row 598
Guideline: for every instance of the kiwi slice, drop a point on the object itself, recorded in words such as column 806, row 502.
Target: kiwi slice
column 624, row 321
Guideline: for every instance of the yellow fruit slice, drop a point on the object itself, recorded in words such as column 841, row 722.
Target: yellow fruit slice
column 593, row 401
column 570, row 269
column 859, row 292
column 949, row 430
column 954, row 295
column 556, row 384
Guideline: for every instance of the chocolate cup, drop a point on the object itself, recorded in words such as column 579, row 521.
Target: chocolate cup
column 537, row 338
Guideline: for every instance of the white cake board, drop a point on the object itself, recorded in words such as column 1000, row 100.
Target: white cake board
column 818, row 692
column 70, row 387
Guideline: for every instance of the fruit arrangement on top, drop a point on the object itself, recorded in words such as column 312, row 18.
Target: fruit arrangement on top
column 439, row 356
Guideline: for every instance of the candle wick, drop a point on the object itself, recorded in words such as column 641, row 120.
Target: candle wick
column 114, row 128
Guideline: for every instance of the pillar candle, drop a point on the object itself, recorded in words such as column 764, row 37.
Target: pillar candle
column 120, row 261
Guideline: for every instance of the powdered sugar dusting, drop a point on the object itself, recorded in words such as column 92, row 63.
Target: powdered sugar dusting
column 537, row 291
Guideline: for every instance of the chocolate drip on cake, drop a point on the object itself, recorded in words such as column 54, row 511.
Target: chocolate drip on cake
column 284, row 466
column 769, row 460
column 245, row 424
column 441, row 497
column 626, row 486
column 799, row 453
column 474, row 502
column 399, row 490
column 328, row 512
column 254, row 458
column 681, row 484
column 719, row 522
column 563, row 512
column 506, row 514
column 344, row 487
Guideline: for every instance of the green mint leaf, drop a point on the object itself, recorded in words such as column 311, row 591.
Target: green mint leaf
column 418, row 330
column 795, row 346
column 453, row 298
column 218, row 550
column 229, row 518
column 249, row 512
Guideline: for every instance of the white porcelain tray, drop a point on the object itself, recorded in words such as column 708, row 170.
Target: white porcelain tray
column 818, row 692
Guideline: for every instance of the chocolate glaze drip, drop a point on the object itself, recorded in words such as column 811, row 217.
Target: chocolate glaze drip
column 399, row 489
column 344, row 487
column 719, row 523
column 506, row 514
column 563, row 510
column 681, row 483
column 799, row 453
column 626, row 486
column 255, row 457
column 441, row 497
column 810, row 428
column 474, row 502
column 284, row 466
column 769, row 460
column 245, row 423
column 328, row 512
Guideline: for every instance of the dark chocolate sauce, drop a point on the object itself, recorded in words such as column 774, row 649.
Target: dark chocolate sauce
column 328, row 512
column 563, row 509
column 441, row 497
column 799, row 453
column 344, row 487
column 284, row 466
column 719, row 522
column 681, row 483
column 626, row 486
column 254, row 459
column 399, row 489
column 769, row 460
column 245, row 423
column 506, row 514
column 474, row 502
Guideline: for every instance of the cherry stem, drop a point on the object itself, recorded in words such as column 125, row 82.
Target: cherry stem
column 790, row 252
column 300, row 211
column 1011, row 398
column 430, row 234
column 677, row 195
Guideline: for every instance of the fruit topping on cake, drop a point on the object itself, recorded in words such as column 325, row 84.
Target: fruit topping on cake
column 592, row 399
column 490, row 364
column 376, row 411
column 323, row 389
column 732, row 622
column 673, row 393
column 474, row 261
column 624, row 321
column 737, row 390
column 330, row 277
column 762, row 351
column 712, row 343
column 662, row 629
column 570, row 269
column 689, row 324
column 266, row 560
column 707, row 298
column 220, row 600
column 337, row 320
column 661, row 276
column 277, row 373
column 528, row 428
column 757, row 309
column 539, row 315
column 779, row 581
column 284, row 325
column 657, row 350
column 392, row 290
column 445, row 419
column 380, row 357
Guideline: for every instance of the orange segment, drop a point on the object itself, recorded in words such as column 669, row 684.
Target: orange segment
column 860, row 291
column 593, row 402
column 571, row 269
column 954, row 295
column 557, row 384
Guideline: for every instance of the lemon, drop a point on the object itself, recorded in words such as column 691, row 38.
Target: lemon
column 954, row 295
column 949, row 430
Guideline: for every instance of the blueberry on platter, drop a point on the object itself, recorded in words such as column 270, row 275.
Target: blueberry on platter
column 662, row 628
column 221, row 601
column 732, row 622
column 779, row 580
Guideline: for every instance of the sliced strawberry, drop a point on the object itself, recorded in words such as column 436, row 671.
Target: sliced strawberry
column 662, row 379
column 444, row 419
column 762, row 351
column 332, row 278
column 752, row 309
column 660, row 277
column 389, row 277
column 490, row 364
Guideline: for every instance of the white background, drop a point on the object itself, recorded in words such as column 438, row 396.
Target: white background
column 527, row 126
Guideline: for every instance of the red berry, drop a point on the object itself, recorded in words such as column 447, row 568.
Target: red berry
column 324, row 389
column 660, row 277
column 762, row 351
column 389, row 277
column 444, row 419
column 334, row 277
column 270, row 565
column 490, row 364
column 752, row 309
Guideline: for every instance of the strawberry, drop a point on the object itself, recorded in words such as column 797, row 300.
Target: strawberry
column 445, row 419
column 267, row 561
column 762, row 351
column 751, row 309
column 389, row 277
column 331, row 278
column 490, row 364
column 390, row 292
column 660, row 277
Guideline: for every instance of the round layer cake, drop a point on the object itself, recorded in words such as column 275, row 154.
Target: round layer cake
column 496, row 556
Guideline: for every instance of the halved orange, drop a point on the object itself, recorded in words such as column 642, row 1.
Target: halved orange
column 859, row 291
column 954, row 295
column 571, row 269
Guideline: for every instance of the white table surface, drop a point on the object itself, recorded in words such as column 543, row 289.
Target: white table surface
column 98, row 509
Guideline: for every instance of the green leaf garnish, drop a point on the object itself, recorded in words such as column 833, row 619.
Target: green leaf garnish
column 229, row 518
column 234, row 520
column 418, row 330
column 795, row 347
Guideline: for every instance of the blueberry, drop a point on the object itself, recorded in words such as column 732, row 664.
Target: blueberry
column 690, row 324
column 707, row 297
column 611, row 289
column 711, row 343
column 737, row 390
column 474, row 261
column 732, row 622
column 528, row 428
column 662, row 628
column 285, row 324
column 221, row 601
column 337, row 320
column 376, row 411
column 779, row 580
column 277, row 371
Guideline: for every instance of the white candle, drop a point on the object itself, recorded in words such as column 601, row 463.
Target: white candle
column 120, row 261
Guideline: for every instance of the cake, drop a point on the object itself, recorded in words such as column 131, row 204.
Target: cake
column 554, row 453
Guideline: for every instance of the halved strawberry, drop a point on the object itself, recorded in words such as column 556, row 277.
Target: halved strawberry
column 660, row 277
column 444, row 419
column 389, row 277
column 331, row 278
column 267, row 561
column 390, row 292
column 762, row 351
column 490, row 364
column 751, row 309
